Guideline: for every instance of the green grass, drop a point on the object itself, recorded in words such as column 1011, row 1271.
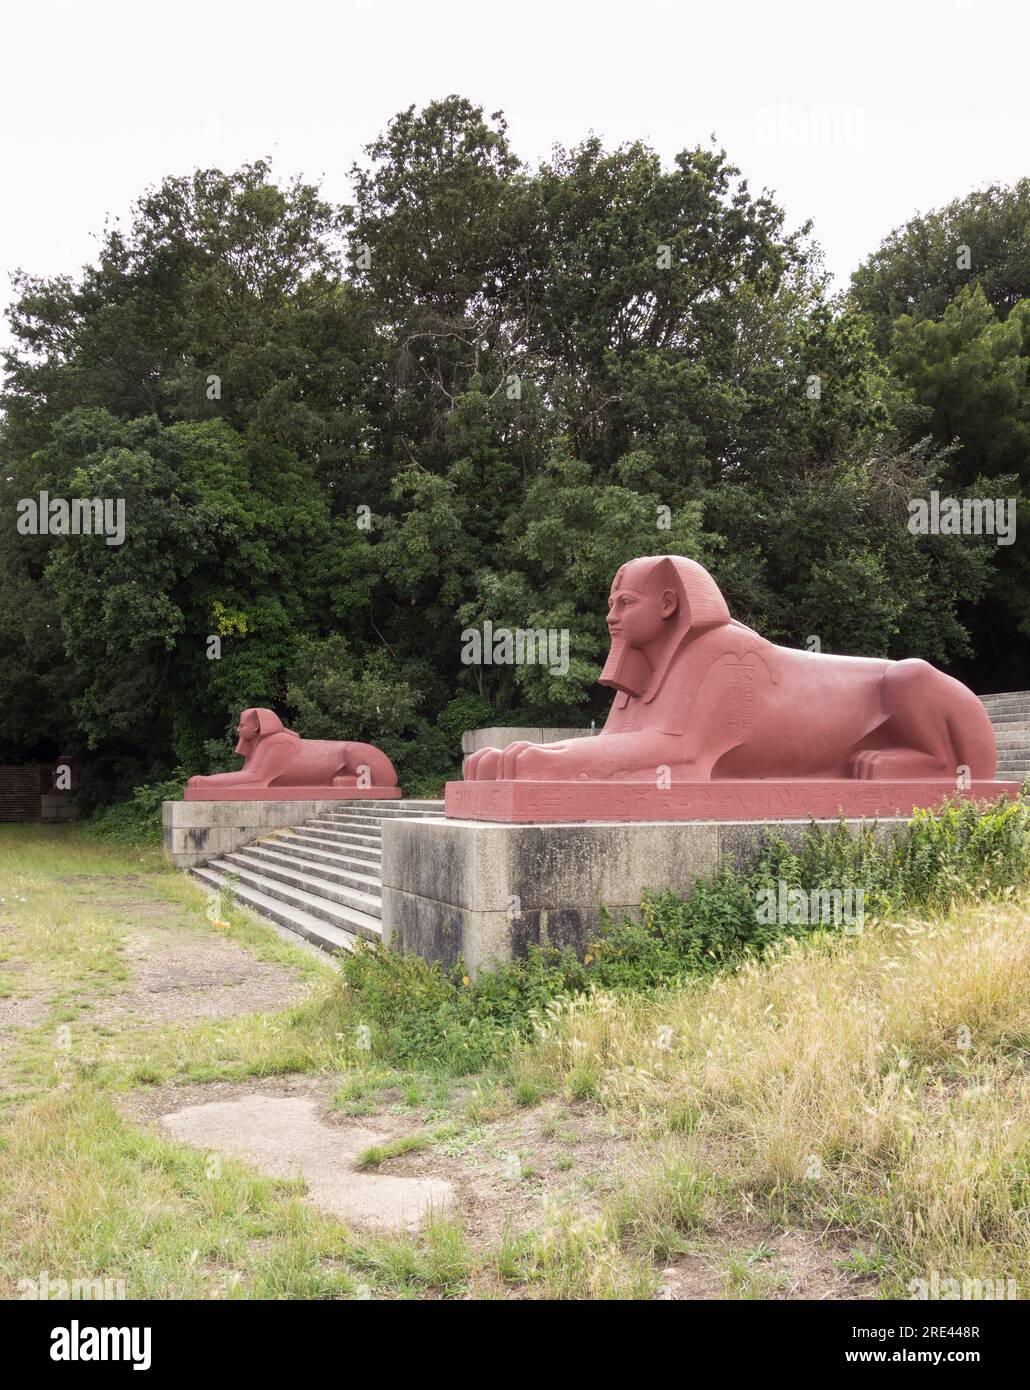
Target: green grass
column 85, row 1195
column 377, row 1154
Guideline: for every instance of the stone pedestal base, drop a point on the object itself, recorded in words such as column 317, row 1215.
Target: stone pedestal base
column 294, row 794
column 486, row 891
column 548, row 802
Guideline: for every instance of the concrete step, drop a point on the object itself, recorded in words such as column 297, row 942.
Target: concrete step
column 321, row 879
column 361, row 818
column 370, row 837
column 348, row 919
column 1019, row 739
column 311, row 878
column 1023, row 695
column 317, row 851
column 325, row 839
column 1011, row 721
column 312, row 928
column 328, row 866
column 362, row 825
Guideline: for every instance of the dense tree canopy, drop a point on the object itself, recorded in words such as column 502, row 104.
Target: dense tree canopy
column 982, row 239
column 345, row 435
column 947, row 298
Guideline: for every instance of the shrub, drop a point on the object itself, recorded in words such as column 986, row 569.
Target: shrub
column 138, row 821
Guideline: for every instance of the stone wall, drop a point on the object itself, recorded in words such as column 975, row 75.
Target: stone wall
column 486, row 891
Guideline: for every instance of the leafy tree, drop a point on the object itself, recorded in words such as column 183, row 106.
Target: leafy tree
column 222, row 300
column 920, row 267
column 224, row 539
column 969, row 374
column 965, row 379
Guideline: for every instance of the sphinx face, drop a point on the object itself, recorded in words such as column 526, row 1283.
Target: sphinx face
column 639, row 623
column 247, row 731
column 636, row 618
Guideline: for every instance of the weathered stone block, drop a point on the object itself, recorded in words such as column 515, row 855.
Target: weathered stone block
column 486, row 892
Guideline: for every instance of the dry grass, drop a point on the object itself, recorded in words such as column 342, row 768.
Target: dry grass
column 875, row 1086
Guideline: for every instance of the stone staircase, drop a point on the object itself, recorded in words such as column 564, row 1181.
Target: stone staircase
column 321, row 879
column 1010, row 715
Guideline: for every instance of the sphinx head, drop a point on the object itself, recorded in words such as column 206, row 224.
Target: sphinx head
column 655, row 604
column 254, row 725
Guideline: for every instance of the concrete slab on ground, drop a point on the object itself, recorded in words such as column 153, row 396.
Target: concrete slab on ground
column 285, row 1137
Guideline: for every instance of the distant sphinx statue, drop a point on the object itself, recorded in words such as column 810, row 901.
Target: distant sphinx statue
column 279, row 764
column 701, row 698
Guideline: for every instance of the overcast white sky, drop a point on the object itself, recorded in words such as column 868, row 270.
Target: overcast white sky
column 855, row 115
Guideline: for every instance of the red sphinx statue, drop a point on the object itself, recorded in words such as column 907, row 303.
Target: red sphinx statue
column 279, row 765
column 712, row 721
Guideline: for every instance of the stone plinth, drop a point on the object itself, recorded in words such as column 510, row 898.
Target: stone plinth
column 486, row 891
column 293, row 794
column 523, row 802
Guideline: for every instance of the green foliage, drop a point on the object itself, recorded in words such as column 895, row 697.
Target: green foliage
column 947, row 301
column 969, row 372
column 418, row 1011
column 138, row 821
column 919, row 269
column 421, row 1013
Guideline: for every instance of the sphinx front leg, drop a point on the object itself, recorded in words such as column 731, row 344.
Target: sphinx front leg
column 242, row 778
column 639, row 757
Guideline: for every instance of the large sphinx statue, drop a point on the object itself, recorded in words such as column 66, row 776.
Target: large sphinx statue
column 703, row 699
column 280, row 765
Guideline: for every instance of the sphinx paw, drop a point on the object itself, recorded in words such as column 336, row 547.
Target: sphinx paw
column 895, row 764
column 863, row 765
column 482, row 766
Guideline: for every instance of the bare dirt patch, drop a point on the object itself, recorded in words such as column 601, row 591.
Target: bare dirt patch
column 178, row 978
column 505, row 1175
column 509, row 1171
column 26, row 1012
column 767, row 1264
column 145, row 1107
